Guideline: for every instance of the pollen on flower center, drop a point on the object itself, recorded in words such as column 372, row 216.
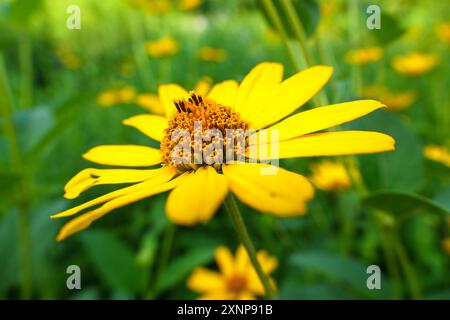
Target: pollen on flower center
column 236, row 283
column 202, row 132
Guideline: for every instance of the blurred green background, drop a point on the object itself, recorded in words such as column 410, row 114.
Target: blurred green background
column 51, row 83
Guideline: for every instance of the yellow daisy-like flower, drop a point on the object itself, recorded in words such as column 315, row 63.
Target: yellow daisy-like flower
column 212, row 54
column 395, row 101
column 109, row 98
column 190, row 4
column 164, row 47
column 438, row 154
column 199, row 186
column 152, row 103
column 237, row 279
column 415, row 63
column 330, row 176
column 364, row 55
column 443, row 32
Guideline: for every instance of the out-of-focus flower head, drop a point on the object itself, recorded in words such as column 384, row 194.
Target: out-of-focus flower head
column 438, row 154
column 68, row 58
column 395, row 101
column 446, row 245
column 414, row 63
column 330, row 176
column 164, row 47
column 364, row 55
column 188, row 5
column 212, row 54
column 112, row 97
column 443, row 32
column 151, row 6
column 236, row 279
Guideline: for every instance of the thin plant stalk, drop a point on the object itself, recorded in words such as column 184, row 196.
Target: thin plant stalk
column 239, row 225
column 19, row 168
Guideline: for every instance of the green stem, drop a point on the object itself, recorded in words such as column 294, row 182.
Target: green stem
column 26, row 72
column 407, row 267
column 18, row 167
column 241, row 229
column 271, row 12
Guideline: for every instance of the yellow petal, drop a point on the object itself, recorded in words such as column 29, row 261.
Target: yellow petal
column 330, row 144
column 224, row 260
column 197, row 198
column 242, row 264
column 268, row 263
column 150, row 125
column 90, row 177
column 218, row 295
column 291, row 94
column 224, row 93
column 282, row 193
column 245, row 295
column 151, row 103
column 322, row 118
column 165, row 175
column 168, row 93
column 203, row 280
column 257, row 85
column 124, row 155
column 85, row 220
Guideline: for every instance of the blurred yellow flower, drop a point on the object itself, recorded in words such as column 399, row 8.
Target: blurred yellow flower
column 212, row 54
column 415, row 63
column 197, row 189
column 236, row 279
column 364, row 55
column 190, row 4
column 330, row 176
column 164, row 47
column 446, row 245
column 109, row 98
column 438, row 154
column 152, row 6
column 395, row 101
column 203, row 86
column 443, row 32
column 69, row 59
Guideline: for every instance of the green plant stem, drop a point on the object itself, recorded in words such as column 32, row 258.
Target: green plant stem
column 26, row 72
column 271, row 12
column 407, row 267
column 18, row 168
column 166, row 248
column 241, row 229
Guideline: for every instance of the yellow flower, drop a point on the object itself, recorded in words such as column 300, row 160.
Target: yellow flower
column 198, row 185
column 190, row 4
column 69, row 59
column 212, row 54
column 395, row 101
column 164, row 47
column 237, row 279
column 438, row 154
column 415, row 63
column 364, row 55
column 330, row 176
column 152, row 6
column 443, row 32
column 446, row 245
column 111, row 97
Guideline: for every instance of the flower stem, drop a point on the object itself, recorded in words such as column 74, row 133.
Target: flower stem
column 18, row 167
column 241, row 229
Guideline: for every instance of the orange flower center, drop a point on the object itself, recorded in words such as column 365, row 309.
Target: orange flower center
column 237, row 283
column 203, row 132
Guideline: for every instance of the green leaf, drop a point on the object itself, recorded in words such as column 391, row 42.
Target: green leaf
column 399, row 170
column 400, row 203
column 345, row 270
column 182, row 266
column 114, row 261
column 319, row 291
column 390, row 30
